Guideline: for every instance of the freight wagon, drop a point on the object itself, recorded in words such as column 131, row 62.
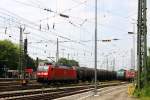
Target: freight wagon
column 87, row 74
column 121, row 74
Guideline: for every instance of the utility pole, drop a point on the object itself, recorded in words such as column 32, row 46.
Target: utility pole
column 21, row 53
column 134, row 45
column 132, row 58
column 114, row 63
column 95, row 89
column 25, row 53
column 133, row 48
column 123, row 62
column 142, row 42
column 107, row 62
column 63, row 52
column 57, row 51
column 68, row 56
column 37, row 62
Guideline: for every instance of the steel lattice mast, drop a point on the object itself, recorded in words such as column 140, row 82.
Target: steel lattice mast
column 142, row 42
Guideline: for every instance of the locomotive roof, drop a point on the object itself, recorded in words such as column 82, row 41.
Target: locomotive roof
column 60, row 66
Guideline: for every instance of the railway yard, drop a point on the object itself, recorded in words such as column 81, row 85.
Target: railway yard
column 13, row 90
column 74, row 50
column 55, row 82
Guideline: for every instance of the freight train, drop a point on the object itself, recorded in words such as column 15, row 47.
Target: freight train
column 51, row 73
column 126, row 75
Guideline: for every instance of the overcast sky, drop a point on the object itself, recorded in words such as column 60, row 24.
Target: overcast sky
column 115, row 20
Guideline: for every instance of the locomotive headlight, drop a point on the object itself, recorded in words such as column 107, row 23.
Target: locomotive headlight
column 45, row 73
column 38, row 73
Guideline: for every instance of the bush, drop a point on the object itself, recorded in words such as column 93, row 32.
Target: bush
column 144, row 94
column 146, row 91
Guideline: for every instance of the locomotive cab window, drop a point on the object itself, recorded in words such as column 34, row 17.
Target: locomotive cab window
column 43, row 68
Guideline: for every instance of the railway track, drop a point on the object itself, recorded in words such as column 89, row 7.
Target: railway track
column 14, row 82
column 20, row 87
column 49, row 93
column 33, row 85
column 15, row 85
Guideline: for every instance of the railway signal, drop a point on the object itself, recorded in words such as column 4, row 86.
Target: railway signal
column 25, row 45
column 25, row 54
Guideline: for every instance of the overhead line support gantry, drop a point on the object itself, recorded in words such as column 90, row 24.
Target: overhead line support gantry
column 142, row 43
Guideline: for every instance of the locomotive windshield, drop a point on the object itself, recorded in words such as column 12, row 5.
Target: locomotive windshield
column 43, row 68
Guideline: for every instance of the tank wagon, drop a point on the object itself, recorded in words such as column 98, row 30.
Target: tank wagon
column 87, row 74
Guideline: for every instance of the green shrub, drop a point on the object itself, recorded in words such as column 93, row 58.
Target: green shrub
column 143, row 94
column 145, row 91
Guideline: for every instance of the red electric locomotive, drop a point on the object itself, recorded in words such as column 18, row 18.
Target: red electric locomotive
column 51, row 73
column 130, row 74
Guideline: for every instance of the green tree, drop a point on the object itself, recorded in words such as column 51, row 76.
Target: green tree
column 9, row 54
column 62, row 61
column 73, row 63
column 65, row 62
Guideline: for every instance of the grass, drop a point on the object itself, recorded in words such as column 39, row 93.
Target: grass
column 144, row 98
column 144, row 94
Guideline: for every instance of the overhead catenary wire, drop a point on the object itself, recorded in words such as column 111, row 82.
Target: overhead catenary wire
column 52, row 33
column 125, row 17
column 109, row 12
column 69, row 9
column 73, row 48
